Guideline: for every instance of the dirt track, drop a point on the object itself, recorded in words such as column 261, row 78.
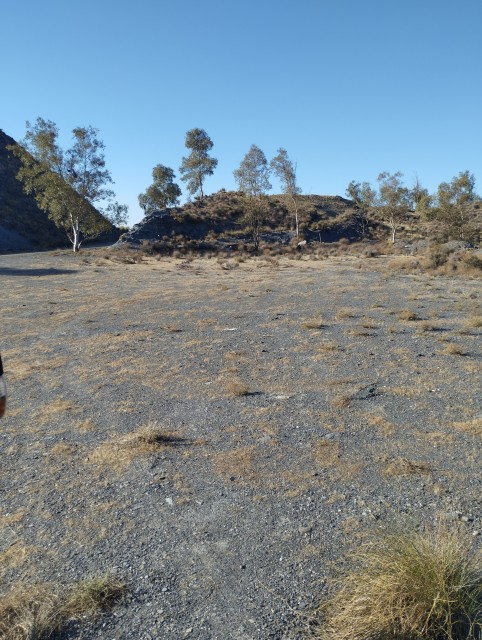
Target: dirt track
column 300, row 407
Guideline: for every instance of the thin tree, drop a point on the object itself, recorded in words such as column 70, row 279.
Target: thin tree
column 198, row 164
column 285, row 171
column 252, row 178
column 162, row 193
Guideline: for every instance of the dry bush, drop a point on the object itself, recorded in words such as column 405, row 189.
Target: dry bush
column 37, row 611
column 409, row 586
column 472, row 260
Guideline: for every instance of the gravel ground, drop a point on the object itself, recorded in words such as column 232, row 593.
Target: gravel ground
column 300, row 408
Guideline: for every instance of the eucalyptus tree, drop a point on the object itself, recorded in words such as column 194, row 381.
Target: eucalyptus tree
column 198, row 164
column 393, row 200
column 252, row 178
column 162, row 193
column 453, row 208
column 285, row 171
column 361, row 193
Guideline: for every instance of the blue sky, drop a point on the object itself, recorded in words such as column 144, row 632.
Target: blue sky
column 350, row 88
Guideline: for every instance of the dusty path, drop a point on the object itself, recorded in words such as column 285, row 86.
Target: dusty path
column 299, row 407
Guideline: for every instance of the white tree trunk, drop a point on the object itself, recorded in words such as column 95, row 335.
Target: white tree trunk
column 76, row 242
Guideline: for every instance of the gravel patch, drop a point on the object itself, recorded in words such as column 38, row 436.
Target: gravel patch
column 234, row 522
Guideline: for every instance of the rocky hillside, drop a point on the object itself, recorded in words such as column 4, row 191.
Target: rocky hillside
column 23, row 226
column 218, row 220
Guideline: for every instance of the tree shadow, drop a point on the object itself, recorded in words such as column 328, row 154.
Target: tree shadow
column 10, row 271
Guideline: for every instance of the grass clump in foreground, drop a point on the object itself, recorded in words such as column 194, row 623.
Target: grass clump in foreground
column 37, row 612
column 423, row 585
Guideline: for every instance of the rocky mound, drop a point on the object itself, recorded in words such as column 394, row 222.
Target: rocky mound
column 218, row 220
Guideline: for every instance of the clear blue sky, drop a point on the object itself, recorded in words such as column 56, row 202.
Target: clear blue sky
column 349, row 87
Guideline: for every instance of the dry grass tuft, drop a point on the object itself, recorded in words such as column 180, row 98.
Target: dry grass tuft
column 405, row 467
column 341, row 401
column 475, row 322
column 120, row 452
column 427, row 325
column 314, row 323
column 29, row 612
column 93, row 596
column 38, row 611
column 238, row 388
column 454, row 350
column 327, row 346
column 418, row 586
column 472, row 427
column 408, row 315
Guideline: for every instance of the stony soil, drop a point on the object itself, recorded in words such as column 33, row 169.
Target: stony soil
column 299, row 404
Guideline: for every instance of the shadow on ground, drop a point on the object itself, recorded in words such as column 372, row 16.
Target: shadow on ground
column 7, row 271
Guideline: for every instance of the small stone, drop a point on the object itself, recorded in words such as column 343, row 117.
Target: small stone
column 306, row 529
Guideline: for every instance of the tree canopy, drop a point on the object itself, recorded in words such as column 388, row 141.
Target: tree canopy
column 252, row 175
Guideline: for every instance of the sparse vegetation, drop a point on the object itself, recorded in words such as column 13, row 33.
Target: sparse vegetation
column 165, row 463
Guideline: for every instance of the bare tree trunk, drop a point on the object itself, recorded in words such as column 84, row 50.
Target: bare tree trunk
column 393, row 228
column 297, row 222
column 75, row 239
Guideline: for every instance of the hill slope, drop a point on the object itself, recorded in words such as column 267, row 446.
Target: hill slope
column 23, row 226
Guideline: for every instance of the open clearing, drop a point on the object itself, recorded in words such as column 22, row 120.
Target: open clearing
column 219, row 434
